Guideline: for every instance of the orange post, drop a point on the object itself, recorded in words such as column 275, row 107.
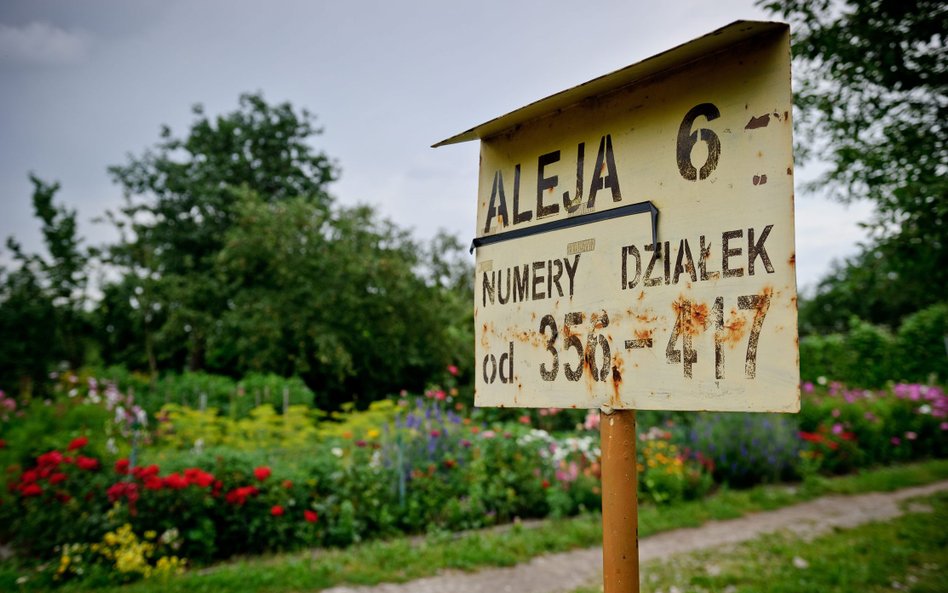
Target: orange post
column 620, row 504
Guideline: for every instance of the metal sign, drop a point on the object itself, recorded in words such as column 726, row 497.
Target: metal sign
column 635, row 238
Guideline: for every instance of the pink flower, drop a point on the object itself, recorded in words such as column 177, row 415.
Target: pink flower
column 943, row 426
column 837, row 428
column 836, row 413
column 911, row 435
column 524, row 419
column 808, row 387
column 895, row 441
column 453, row 370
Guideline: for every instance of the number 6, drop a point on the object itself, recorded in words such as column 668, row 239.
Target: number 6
column 687, row 139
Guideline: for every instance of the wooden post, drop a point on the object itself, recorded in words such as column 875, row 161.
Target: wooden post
column 620, row 504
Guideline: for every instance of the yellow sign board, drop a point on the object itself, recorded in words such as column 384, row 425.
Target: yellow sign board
column 635, row 238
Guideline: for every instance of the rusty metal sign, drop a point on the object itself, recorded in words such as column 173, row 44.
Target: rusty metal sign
column 635, row 237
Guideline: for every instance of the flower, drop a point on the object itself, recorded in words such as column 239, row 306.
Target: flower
column 310, row 516
column 453, row 370
column 175, row 481
column 239, row 496
column 31, row 490
column 50, row 459
column 77, row 443
column 808, row 387
column 262, row 473
column 276, row 510
column 121, row 467
column 57, row 478
column 895, row 441
column 287, row 484
column 87, row 463
column 910, row 435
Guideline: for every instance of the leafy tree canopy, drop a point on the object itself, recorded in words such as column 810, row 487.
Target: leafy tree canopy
column 870, row 85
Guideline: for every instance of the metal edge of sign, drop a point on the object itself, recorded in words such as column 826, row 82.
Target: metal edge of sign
column 698, row 48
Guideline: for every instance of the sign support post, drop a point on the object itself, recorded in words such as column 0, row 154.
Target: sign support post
column 620, row 506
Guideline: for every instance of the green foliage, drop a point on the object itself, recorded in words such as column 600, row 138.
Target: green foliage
column 263, row 428
column 870, row 91
column 922, row 344
column 870, row 356
column 744, row 449
column 42, row 316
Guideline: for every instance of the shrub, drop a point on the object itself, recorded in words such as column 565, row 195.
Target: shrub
column 922, row 342
column 745, row 449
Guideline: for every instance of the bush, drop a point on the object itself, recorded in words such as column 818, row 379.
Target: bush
column 745, row 449
column 870, row 356
column 922, row 343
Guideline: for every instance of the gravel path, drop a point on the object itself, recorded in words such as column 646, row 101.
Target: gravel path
column 558, row 573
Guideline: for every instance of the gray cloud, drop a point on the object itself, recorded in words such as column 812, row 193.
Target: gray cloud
column 43, row 43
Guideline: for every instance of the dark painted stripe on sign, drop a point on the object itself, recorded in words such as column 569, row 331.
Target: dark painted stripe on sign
column 565, row 223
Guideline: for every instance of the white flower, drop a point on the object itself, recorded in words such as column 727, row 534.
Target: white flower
column 336, row 451
column 800, row 562
column 821, row 380
column 110, row 446
column 925, row 409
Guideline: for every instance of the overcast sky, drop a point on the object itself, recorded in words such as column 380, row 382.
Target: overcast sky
column 85, row 83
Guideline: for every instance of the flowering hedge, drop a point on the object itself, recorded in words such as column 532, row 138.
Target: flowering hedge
column 434, row 464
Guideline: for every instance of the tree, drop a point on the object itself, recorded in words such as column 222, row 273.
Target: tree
column 870, row 87
column 181, row 202
column 42, row 304
column 333, row 297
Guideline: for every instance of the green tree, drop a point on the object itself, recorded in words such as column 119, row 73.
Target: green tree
column 42, row 304
column 870, row 87
column 182, row 200
column 333, row 297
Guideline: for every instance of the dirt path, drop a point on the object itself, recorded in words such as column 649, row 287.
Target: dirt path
column 558, row 573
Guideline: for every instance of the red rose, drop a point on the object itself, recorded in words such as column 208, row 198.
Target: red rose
column 57, row 478
column 239, row 496
column 3, row 444
column 310, row 516
column 31, row 490
column 29, row 476
column 199, row 477
column 145, row 472
column 276, row 510
column 53, row 458
column 153, row 483
column 175, row 481
column 77, row 443
column 87, row 463
column 121, row 467
column 261, row 473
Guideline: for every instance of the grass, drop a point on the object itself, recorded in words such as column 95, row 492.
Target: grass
column 909, row 554
column 405, row 559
